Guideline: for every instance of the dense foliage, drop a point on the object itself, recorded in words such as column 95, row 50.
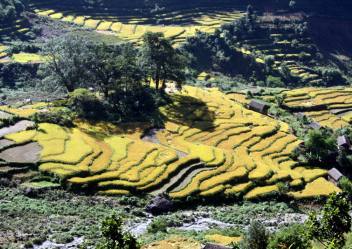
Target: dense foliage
column 257, row 237
column 330, row 226
column 10, row 10
column 292, row 237
column 115, row 237
column 119, row 75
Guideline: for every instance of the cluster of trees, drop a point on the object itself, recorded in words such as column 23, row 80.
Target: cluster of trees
column 320, row 148
column 118, row 79
column 217, row 52
column 328, row 228
column 10, row 10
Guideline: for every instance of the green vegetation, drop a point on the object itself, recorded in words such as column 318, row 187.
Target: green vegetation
column 293, row 237
column 334, row 223
column 257, row 237
column 115, row 237
column 10, row 10
column 117, row 72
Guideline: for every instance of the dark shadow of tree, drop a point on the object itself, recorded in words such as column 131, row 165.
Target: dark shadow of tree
column 189, row 111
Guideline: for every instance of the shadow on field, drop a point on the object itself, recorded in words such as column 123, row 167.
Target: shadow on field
column 191, row 112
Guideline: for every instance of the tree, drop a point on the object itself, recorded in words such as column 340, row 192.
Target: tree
column 256, row 237
column 161, row 62
column 68, row 61
column 292, row 237
column 114, row 236
column 114, row 69
column 10, row 10
column 320, row 145
column 332, row 223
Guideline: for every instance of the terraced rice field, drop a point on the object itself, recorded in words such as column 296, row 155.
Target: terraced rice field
column 175, row 25
column 277, row 42
column 211, row 146
column 330, row 107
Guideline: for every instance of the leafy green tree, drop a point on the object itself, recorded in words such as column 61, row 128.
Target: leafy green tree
column 320, row 145
column 292, row 237
column 68, row 61
column 114, row 236
column 333, row 77
column 160, row 61
column 86, row 104
column 10, row 10
column 256, row 237
column 346, row 185
column 272, row 81
column 332, row 223
column 114, row 69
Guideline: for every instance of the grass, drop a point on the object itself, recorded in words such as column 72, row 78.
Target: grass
column 58, row 215
column 222, row 240
column 260, row 192
column 27, row 58
column 23, row 113
column 319, row 187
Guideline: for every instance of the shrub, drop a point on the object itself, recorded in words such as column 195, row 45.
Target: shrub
column 158, row 225
column 348, row 244
column 346, row 185
column 333, row 77
column 61, row 117
column 332, row 223
column 86, row 104
column 256, row 237
column 272, row 81
column 292, row 237
column 114, row 236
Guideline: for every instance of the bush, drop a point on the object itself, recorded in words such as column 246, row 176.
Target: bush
column 292, row 237
column 86, row 104
column 114, row 236
column 346, row 185
column 256, row 237
column 333, row 77
column 62, row 117
column 158, row 225
column 272, row 81
column 348, row 244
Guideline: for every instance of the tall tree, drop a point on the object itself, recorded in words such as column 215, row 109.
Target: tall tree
column 67, row 61
column 330, row 226
column 161, row 62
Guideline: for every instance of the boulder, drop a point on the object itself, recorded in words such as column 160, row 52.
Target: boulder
column 159, row 205
column 215, row 246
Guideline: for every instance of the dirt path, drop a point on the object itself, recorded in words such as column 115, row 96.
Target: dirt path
column 28, row 153
column 19, row 126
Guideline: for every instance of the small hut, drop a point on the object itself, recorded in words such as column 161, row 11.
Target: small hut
column 259, row 106
column 215, row 246
column 343, row 142
column 334, row 176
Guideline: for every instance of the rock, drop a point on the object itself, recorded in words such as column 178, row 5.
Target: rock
column 214, row 246
column 159, row 205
